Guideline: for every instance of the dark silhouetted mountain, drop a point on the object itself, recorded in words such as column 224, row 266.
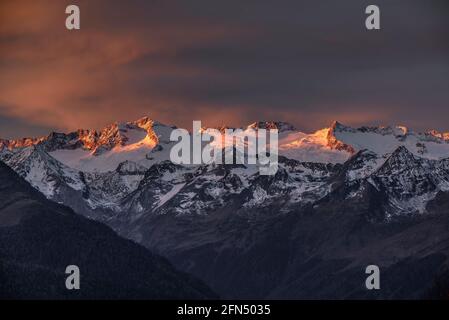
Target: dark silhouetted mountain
column 39, row 239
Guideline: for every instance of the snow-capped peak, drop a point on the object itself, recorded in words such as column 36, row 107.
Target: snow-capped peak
column 383, row 130
column 105, row 150
column 384, row 140
column 19, row 143
column 333, row 142
column 279, row 125
column 439, row 135
column 338, row 142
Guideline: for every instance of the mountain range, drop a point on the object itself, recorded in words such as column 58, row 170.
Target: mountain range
column 343, row 198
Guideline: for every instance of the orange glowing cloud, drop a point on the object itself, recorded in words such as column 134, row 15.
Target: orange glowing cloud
column 65, row 80
column 228, row 62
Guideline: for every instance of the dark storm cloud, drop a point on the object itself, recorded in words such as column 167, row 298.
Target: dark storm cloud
column 307, row 62
column 21, row 128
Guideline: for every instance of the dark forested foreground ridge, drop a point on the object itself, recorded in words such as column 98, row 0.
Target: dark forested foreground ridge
column 39, row 238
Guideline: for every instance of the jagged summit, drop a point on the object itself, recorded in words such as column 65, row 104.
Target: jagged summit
column 439, row 135
column 101, row 150
column 384, row 130
column 279, row 125
column 19, row 143
column 336, row 125
column 115, row 134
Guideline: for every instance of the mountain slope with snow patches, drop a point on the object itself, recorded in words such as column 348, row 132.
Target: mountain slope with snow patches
column 127, row 167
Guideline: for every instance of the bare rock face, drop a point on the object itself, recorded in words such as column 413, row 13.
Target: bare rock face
column 334, row 143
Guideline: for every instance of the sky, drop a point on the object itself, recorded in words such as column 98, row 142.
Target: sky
column 222, row 62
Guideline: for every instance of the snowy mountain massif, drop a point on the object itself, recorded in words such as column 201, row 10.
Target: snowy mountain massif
column 342, row 197
column 112, row 168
